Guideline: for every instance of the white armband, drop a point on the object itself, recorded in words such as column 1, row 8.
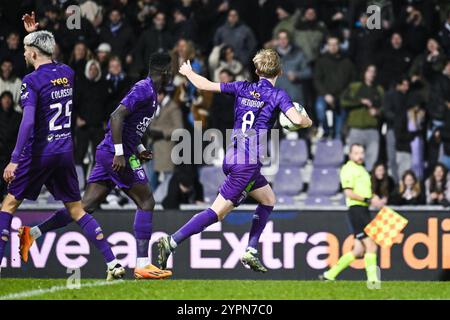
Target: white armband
column 141, row 148
column 118, row 149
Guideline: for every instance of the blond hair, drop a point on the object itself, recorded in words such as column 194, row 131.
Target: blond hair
column 267, row 63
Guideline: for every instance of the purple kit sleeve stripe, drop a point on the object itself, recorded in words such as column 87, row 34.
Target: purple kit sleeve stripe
column 25, row 131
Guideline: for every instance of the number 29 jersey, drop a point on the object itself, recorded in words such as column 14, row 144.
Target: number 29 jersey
column 256, row 104
column 49, row 89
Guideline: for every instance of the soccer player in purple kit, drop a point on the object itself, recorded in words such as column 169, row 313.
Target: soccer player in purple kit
column 118, row 164
column 256, row 105
column 43, row 154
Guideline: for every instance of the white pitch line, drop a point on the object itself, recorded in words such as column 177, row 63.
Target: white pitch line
column 37, row 292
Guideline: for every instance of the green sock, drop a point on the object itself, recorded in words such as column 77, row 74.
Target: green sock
column 370, row 260
column 343, row 263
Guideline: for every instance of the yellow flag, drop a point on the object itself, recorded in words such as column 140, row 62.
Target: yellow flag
column 385, row 227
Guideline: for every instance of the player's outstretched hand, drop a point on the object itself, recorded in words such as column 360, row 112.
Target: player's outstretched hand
column 118, row 163
column 145, row 156
column 185, row 68
column 8, row 174
column 29, row 22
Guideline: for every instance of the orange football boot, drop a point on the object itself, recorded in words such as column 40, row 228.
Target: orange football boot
column 26, row 241
column 151, row 272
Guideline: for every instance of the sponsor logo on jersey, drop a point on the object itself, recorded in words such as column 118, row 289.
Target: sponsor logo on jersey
column 60, row 136
column 60, row 82
column 142, row 126
column 23, row 87
column 255, row 94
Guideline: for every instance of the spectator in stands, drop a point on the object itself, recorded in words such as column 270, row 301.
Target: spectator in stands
column 437, row 110
column 444, row 35
column 67, row 36
column 238, row 35
column 184, row 188
column 92, row 11
column 414, row 29
column 183, row 24
column 222, row 108
column 363, row 100
column 393, row 62
column 12, row 50
column 409, row 191
column 287, row 16
column 445, row 132
column 8, row 81
column 9, row 128
column 364, row 43
column 183, row 51
column 222, row 57
column 309, row 34
column 427, row 63
column 394, row 104
column 118, row 34
column 90, row 110
column 80, row 55
column 437, row 187
column 102, row 55
column 167, row 119
column 332, row 75
column 382, row 184
column 156, row 38
column 118, row 84
column 295, row 67
column 407, row 127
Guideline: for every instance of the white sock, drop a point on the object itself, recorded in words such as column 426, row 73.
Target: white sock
column 112, row 264
column 173, row 244
column 35, row 232
column 142, row 262
column 252, row 250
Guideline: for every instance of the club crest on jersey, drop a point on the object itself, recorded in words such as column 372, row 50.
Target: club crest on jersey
column 60, row 82
column 23, row 87
column 255, row 94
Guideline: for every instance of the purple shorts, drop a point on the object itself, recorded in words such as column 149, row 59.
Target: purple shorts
column 57, row 172
column 240, row 180
column 133, row 172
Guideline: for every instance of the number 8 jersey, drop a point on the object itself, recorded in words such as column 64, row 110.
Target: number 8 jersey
column 256, row 104
column 49, row 89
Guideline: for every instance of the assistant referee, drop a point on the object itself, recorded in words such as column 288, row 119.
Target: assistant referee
column 357, row 187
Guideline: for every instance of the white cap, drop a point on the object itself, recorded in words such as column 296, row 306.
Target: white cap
column 104, row 47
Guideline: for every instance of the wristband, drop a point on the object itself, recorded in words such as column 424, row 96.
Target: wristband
column 141, row 148
column 367, row 200
column 118, row 149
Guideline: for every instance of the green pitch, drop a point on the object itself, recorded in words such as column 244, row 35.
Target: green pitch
column 219, row 289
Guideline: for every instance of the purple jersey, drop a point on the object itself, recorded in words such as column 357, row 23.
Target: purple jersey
column 49, row 89
column 256, row 104
column 141, row 101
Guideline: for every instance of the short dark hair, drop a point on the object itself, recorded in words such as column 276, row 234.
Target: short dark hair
column 355, row 145
column 159, row 61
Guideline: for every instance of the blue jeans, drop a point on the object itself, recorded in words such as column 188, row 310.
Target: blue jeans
column 339, row 117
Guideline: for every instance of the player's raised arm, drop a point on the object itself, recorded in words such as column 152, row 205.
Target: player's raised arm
column 299, row 119
column 197, row 80
column 117, row 118
column 29, row 22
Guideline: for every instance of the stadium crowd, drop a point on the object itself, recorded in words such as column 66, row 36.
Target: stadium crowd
column 387, row 89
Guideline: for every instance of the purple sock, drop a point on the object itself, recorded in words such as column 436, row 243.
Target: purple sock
column 59, row 219
column 94, row 233
column 259, row 223
column 5, row 226
column 197, row 224
column 142, row 231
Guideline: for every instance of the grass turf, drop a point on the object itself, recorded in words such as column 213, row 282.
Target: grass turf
column 219, row 290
